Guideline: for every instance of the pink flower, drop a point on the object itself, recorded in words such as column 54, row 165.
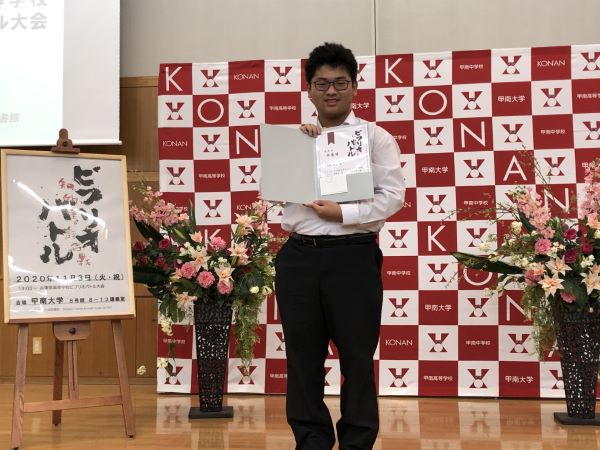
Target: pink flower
column 569, row 298
column 218, row 243
column 587, row 248
column 188, row 270
column 530, row 204
column 571, row 255
column 206, row 279
column 138, row 246
column 570, row 234
column 165, row 244
column 593, row 221
column 542, row 246
column 240, row 252
column 531, row 277
column 224, row 288
column 197, row 237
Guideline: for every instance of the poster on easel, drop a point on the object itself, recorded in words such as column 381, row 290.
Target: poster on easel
column 66, row 238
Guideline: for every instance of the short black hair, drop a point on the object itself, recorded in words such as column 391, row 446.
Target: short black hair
column 330, row 54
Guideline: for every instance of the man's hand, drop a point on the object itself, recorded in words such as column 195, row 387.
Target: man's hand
column 327, row 210
column 311, row 130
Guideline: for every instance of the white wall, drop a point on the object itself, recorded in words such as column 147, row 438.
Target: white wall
column 157, row 31
column 411, row 26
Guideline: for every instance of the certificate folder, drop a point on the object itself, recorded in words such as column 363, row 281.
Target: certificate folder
column 298, row 168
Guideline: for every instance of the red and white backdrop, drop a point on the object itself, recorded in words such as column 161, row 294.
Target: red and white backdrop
column 461, row 119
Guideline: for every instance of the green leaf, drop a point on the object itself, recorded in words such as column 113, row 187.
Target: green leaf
column 148, row 232
column 479, row 262
column 180, row 234
column 186, row 285
column 192, row 216
column 575, row 287
column 150, row 276
column 525, row 221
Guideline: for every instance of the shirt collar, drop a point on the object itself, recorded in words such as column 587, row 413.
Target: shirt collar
column 350, row 119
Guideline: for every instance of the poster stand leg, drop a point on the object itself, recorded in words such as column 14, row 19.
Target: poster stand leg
column 69, row 332
column 19, row 400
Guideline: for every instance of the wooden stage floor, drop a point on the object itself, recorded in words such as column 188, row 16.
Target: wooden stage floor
column 259, row 423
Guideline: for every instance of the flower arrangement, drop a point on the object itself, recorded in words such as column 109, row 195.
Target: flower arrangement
column 554, row 259
column 179, row 267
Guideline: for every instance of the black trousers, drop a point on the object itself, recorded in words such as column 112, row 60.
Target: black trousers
column 330, row 293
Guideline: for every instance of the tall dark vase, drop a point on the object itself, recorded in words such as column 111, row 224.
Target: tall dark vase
column 213, row 322
column 578, row 336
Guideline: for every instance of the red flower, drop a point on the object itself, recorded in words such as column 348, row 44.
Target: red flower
column 138, row 246
column 570, row 234
column 144, row 260
column 162, row 263
column 165, row 244
column 587, row 248
column 571, row 255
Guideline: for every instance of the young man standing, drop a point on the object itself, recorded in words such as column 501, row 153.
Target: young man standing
column 329, row 274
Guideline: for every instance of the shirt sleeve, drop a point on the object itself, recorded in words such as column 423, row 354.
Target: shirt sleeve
column 388, row 183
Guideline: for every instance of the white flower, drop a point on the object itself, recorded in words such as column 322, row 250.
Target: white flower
column 524, row 262
column 587, row 262
column 254, row 290
column 488, row 292
column 141, row 370
column 516, row 227
column 551, row 285
column 185, row 301
column 224, row 272
column 185, row 249
column 266, row 290
column 161, row 363
column 591, row 281
column 166, row 326
column 597, row 234
column 201, row 257
column 557, row 266
column 484, row 247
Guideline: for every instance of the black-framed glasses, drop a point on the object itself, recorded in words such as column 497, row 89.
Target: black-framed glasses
column 338, row 85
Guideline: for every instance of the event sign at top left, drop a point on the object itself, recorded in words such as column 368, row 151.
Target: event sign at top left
column 65, row 235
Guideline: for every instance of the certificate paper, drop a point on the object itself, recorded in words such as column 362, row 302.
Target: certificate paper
column 343, row 152
column 299, row 169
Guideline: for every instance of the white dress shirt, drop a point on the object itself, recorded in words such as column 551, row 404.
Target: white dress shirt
column 364, row 215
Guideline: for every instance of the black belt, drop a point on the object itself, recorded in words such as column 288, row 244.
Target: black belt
column 332, row 241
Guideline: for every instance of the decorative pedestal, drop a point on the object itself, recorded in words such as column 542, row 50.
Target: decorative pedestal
column 578, row 336
column 213, row 323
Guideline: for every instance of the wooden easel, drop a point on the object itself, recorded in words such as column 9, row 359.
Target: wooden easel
column 69, row 332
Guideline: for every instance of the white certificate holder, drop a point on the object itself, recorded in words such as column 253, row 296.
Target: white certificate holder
column 290, row 167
